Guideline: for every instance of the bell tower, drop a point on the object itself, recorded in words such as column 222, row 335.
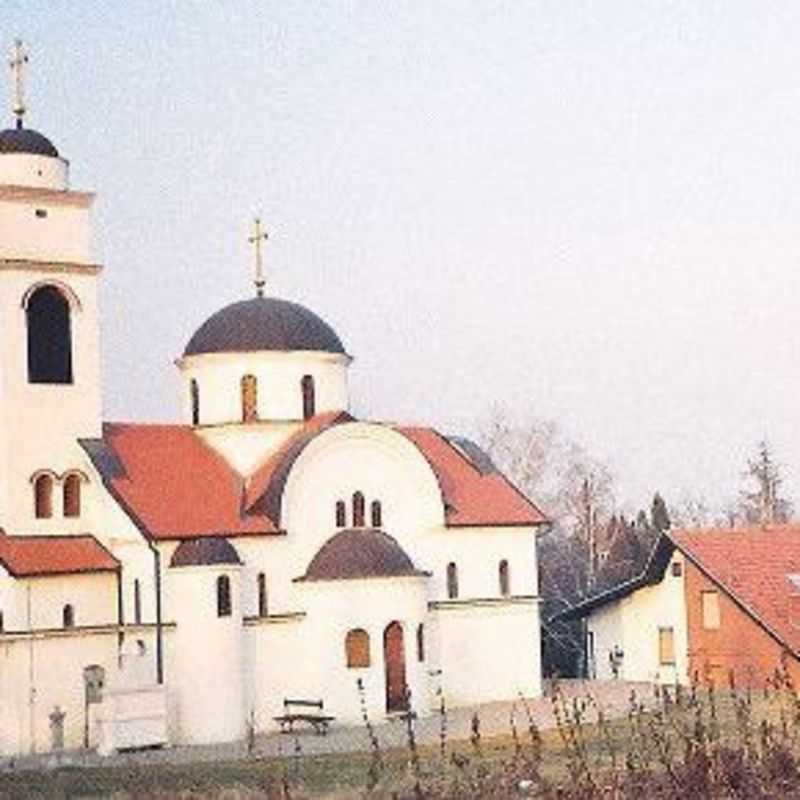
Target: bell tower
column 49, row 349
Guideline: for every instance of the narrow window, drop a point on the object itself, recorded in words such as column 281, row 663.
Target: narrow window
column 309, row 400
column 356, row 647
column 223, row 596
column 43, row 496
column 358, row 510
column 505, row 578
column 710, row 604
column 452, row 580
column 2, row 624
column 49, row 337
column 341, row 514
column 194, row 391
column 137, row 602
column 666, row 647
column 72, row 495
column 677, row 569
column 420, row 642
column 249, row 398
column 68, row 616
column 262, row 594
column 376, row 514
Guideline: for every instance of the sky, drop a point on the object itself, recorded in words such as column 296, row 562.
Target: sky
column 586, row 212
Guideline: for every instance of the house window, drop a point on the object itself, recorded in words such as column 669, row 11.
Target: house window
column 68, row 616
column 137, row 602
column 358, row 510
column 420, row 642
column 452, row 580
column 43, row 496
column 666, row 647
column 376, row 514
column 2, row 624
column 194, row 392
column 356, row 646
column 72, row 495
column 677, row 569
column 49, row 337
column 504, row 578
column 262, row 594
column 249, row 398
column 223, row 596
column 309, row 400
column 341, row 514
column 710, row 605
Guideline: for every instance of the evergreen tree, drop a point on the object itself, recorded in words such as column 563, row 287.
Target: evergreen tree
column 659, row 514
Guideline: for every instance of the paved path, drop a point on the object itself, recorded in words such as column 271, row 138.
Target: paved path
column 612, row 696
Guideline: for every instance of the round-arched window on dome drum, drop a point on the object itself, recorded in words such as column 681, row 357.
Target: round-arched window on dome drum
column 356, row 646
column 72, row 495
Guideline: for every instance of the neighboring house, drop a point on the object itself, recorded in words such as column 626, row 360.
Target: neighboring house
column 269, row 546
column 709, row 605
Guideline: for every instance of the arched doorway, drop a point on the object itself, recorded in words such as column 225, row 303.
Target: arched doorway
column 394, row 659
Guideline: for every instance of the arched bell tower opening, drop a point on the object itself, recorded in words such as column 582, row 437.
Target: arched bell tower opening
column 49, row 336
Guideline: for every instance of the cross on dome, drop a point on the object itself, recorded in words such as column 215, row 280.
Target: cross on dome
column 258, row 236
column 19, row 58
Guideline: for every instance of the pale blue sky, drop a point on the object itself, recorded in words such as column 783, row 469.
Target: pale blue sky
column 586, row 210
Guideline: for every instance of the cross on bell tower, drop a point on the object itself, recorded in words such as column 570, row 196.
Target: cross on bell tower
column 258, row 236
column 19, row 58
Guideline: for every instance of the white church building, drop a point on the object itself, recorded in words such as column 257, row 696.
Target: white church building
column 177, row 583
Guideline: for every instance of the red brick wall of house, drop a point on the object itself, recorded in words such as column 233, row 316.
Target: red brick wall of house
column 740, row 645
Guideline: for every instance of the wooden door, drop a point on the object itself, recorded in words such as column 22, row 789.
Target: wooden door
column 394, row 657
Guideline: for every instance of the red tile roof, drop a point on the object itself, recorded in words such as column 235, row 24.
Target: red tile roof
column 29, row 556
column 752, row 565
column 472, row 497
column 175, row 486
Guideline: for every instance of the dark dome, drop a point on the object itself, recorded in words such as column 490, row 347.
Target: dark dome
column 26, row 140
column 359, row 553
column 263, row 323
column 204, row 552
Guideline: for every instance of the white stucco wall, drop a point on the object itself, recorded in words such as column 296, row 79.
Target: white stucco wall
column 31, row 170
column 633, row 624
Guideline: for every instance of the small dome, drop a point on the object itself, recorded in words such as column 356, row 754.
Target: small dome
column 204, row 552
column 26, row 140
column 359, row 553
column 263, row 323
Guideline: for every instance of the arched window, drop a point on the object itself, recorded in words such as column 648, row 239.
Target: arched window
column 249, row 398
column 420, row 642
column 356, row 647
column 358, row 510
column 309, row 400
column 223, row 596
column 49, row 337
column 68, row 616
column 262, row 595
column 72, row 495
column 376, row 514
column 341, row 514
column 452, row 580
column 137, row 602
column 505, row 578
column 194, row 391
column 43, row 496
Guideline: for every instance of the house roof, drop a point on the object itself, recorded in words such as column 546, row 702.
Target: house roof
column 473, row 495
column 33, row 556
column 175, row 486
column 753, row 566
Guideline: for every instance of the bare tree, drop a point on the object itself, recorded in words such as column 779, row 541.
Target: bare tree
column 691, row 511
column 763, row 505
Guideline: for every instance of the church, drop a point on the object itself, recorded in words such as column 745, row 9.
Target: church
column 177, row 583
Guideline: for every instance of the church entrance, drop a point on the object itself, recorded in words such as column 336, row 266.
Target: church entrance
column 394, row 658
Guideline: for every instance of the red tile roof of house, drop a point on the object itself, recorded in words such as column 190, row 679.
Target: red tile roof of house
column 30, row 556
column 175, row 486
column 753, row 566
column 472, row 497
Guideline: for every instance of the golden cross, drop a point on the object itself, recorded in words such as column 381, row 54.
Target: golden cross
column 259, row 235
column 18, row 61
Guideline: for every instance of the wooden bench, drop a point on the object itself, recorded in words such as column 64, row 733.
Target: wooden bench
column 293, row 712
